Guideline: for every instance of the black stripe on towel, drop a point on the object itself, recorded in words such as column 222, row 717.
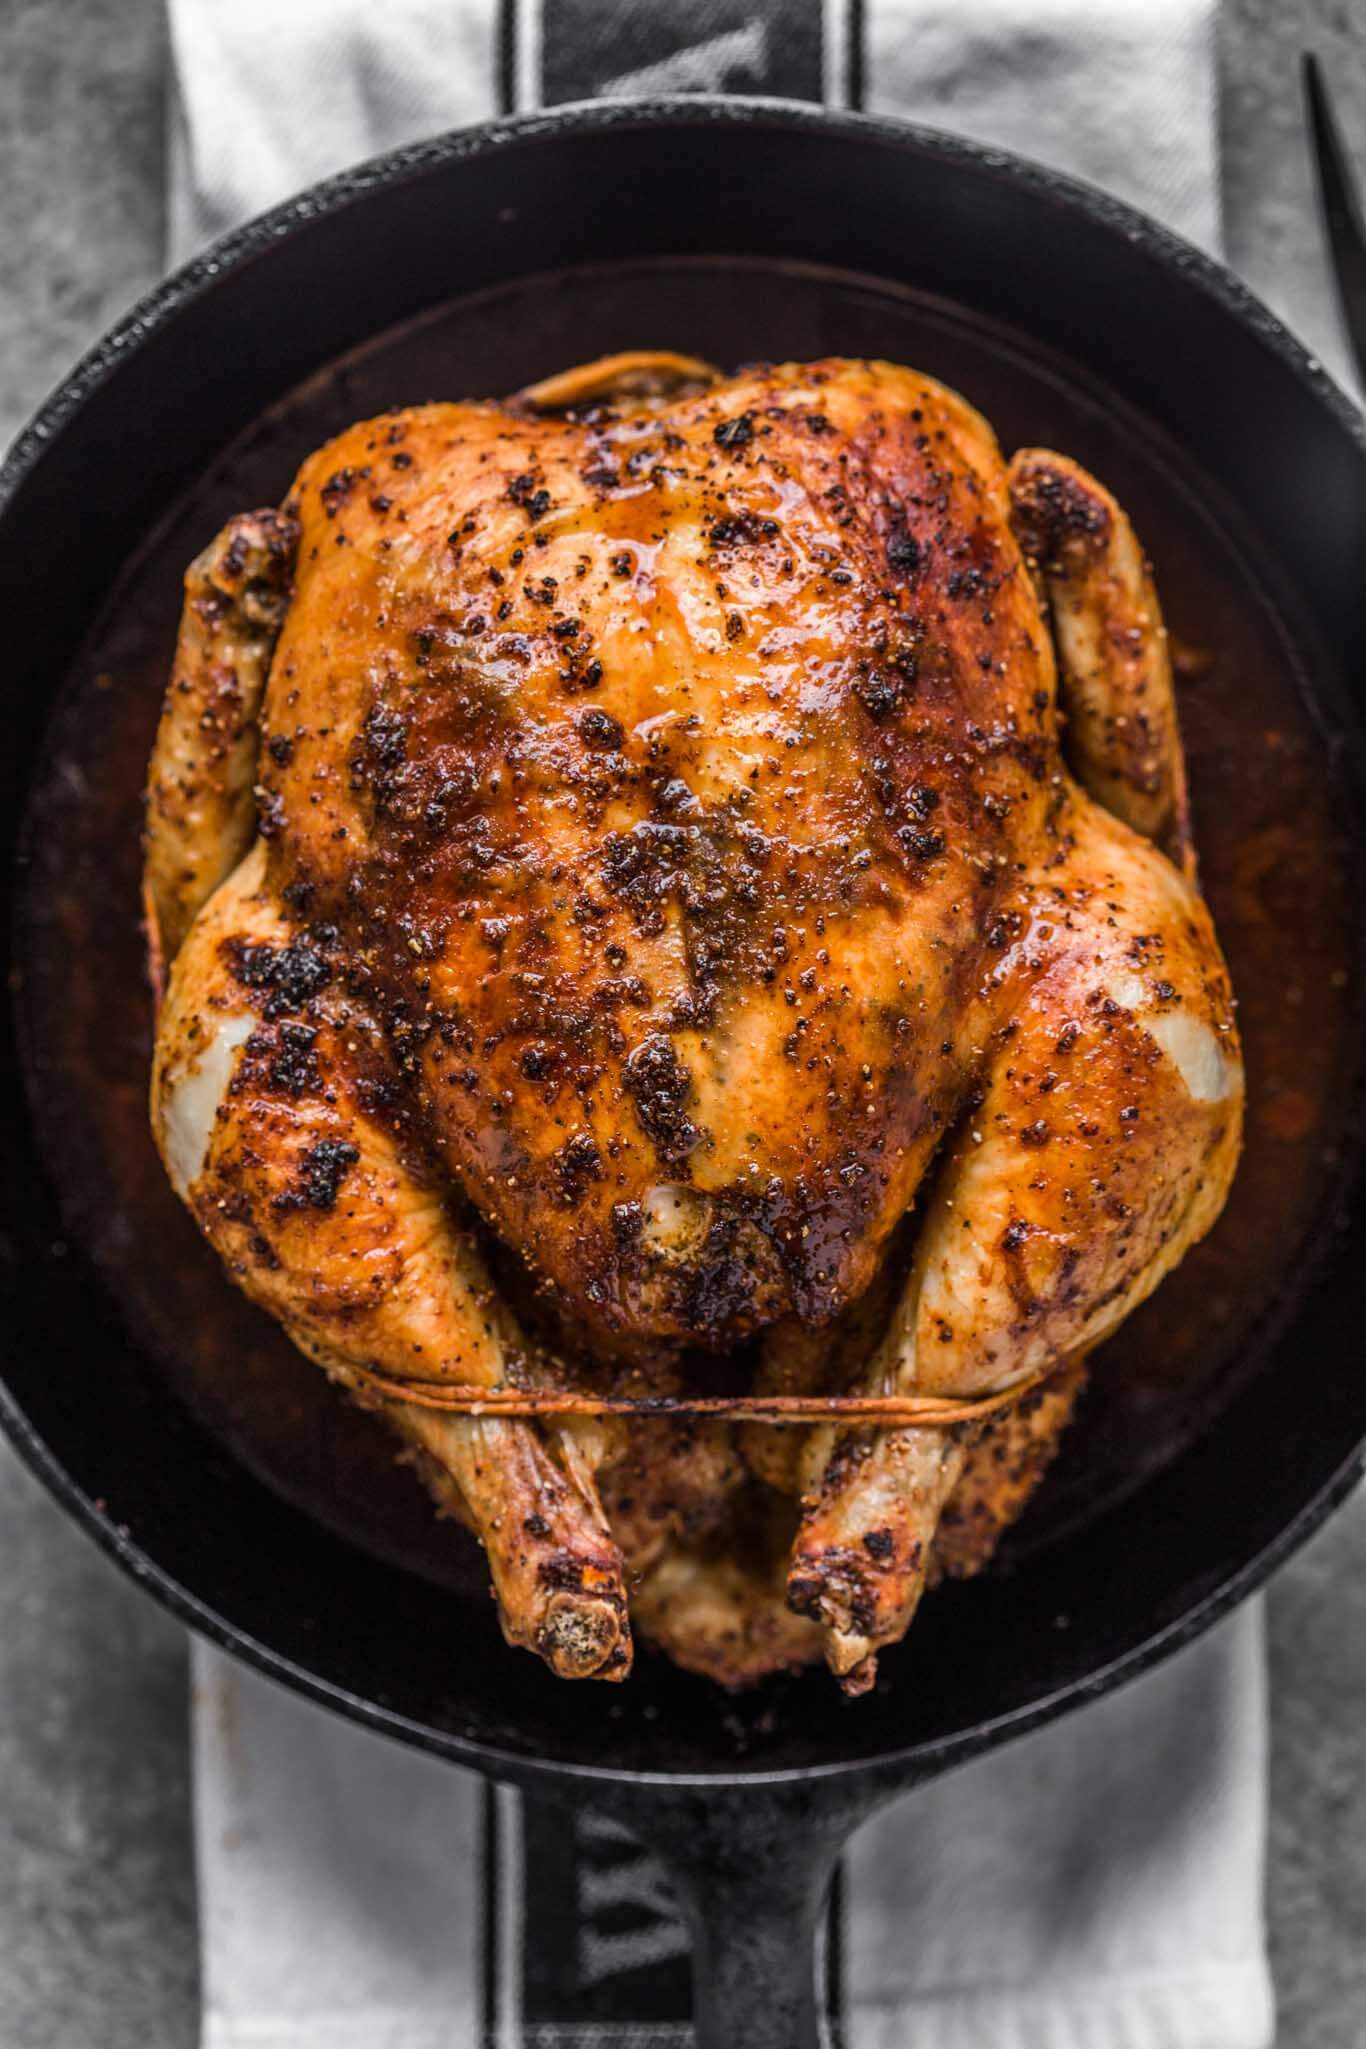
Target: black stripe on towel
column 603, row 1942
column 552, row 51
column 488, row 2003
column 505, row 58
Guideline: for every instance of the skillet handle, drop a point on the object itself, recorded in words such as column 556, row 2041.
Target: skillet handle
column 752, row 1868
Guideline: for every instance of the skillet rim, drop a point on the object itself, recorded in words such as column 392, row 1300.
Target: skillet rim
column 897, row 1768
column 157, row 309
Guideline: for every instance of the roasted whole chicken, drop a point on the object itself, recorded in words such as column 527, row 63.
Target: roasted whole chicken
column 678, row 885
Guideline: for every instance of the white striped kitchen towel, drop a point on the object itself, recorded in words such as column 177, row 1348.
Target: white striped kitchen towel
column 1096, row 1885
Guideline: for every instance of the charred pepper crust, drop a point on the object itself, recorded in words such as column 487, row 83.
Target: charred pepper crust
column 250, row 568
column 842, row 1587
column 322, row 1168
column 660, row 1086
column 1059, row 521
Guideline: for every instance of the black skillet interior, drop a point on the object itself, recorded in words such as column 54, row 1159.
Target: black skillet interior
column 170, row 1417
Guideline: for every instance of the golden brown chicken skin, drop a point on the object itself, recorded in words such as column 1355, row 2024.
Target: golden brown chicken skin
column 665, row 836
column 668, row 796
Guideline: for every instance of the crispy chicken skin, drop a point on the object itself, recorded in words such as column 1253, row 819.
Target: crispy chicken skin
column 201, row 819
column 685, row 824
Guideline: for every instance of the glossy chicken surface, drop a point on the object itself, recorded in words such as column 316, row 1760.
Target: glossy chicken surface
column 616, row 858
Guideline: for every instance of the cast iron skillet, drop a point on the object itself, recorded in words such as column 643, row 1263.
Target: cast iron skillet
column 256, row 1507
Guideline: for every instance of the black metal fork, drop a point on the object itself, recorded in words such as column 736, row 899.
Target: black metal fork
column 1340, row 203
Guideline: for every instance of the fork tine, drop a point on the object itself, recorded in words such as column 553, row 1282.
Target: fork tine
column 1340, row 202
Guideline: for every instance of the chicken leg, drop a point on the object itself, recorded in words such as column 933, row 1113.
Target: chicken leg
column 1059, row 1207
column 275, row 1112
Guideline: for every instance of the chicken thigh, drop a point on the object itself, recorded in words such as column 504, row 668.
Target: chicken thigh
column 612, row 856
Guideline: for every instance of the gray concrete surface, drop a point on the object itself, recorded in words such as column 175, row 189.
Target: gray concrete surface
column 97, row 1945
